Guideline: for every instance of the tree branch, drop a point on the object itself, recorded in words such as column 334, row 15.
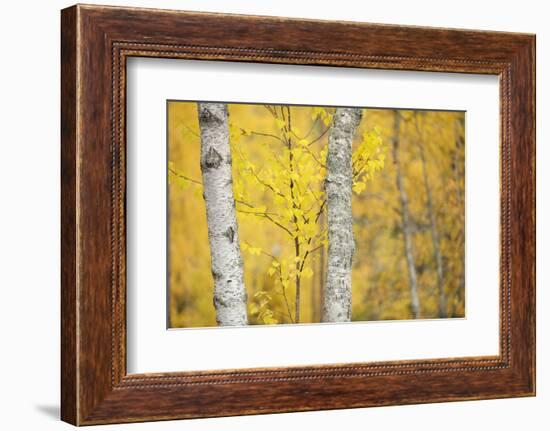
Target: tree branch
column 191, row 180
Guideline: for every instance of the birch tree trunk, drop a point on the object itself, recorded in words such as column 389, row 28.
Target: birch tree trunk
column 226, row 261
column 442, row 302
column 341, row 244
column 405, row 220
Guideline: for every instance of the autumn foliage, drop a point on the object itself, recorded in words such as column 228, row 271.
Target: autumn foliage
column 279, row 170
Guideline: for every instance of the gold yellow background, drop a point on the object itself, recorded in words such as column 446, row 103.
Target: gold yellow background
column 379, row 276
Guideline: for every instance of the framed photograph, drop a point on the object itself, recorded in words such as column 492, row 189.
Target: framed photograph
column 266, row 215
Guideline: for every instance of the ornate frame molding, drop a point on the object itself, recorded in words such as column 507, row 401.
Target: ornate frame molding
column 96, row 41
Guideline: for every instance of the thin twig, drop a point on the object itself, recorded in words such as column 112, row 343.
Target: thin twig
column 312, row 127
column 269, row 135
column 319, row 137
column 314, row 158
column 258, row 213
column 283, row 290
column 190, row 130
column 191, row 180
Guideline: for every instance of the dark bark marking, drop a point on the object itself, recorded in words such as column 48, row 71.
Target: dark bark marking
column 212, row 159
column 229, row 234
column 207, row 115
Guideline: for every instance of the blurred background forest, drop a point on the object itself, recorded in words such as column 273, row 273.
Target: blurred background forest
column 408, row 214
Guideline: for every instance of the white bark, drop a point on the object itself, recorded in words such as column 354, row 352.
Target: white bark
column 341, row 245
column 226, row 261
column 405, row 221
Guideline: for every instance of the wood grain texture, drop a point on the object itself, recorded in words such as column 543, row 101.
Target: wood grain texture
column 69, row 397
column 96, row 41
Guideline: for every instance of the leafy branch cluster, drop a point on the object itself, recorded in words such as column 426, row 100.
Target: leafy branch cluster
column 293, row 199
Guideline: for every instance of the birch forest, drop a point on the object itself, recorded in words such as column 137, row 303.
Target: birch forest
column 287, row 214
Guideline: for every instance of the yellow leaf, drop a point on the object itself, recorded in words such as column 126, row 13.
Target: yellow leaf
column 269, row 320
column 279, row 200
column 359, row 186
column 255, row 250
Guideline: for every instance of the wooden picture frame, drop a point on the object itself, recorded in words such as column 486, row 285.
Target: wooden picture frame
column 95, row 43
